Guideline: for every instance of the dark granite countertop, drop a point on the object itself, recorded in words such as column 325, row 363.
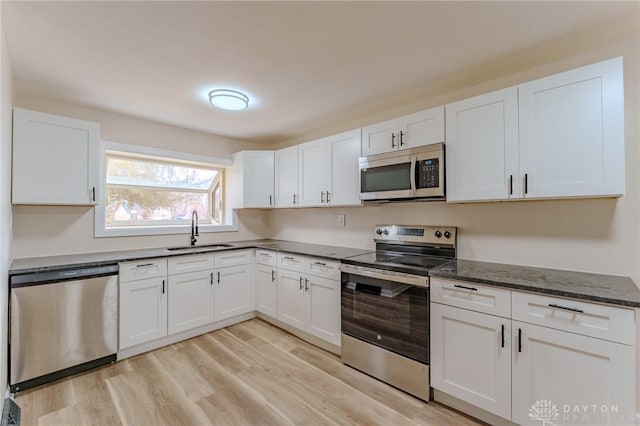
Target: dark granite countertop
column 52, row 263
column 610, row 289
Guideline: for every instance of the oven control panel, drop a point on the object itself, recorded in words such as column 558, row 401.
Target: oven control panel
column 440, row 235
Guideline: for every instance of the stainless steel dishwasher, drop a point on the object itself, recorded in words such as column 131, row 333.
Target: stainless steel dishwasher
column 62, row 322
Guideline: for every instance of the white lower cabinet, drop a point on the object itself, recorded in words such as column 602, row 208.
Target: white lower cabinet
column 266, row 290
column 233, row 291
column 483, row 379
column 569, row 362
column 570, row 372
column 309, row 302
column 190, row 300
column 143, row 311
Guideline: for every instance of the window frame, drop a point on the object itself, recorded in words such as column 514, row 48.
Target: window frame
column 229, row 216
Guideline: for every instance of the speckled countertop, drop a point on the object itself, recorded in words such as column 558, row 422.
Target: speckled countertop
column 611, row 289
column 52, row 263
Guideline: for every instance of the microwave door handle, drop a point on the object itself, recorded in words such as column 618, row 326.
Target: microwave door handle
column 414, row 161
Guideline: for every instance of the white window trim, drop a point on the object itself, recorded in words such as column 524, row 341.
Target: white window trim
column 231, row 216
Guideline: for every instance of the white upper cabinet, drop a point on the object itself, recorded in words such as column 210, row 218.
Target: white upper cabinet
column 329, row 172
column 343, row 152
column 482, row 147
column 286, row 177
column 556, row 137
column 572, row 133
column 55, row 159
column 313, row 177
column 252, row 179
column 417, row 129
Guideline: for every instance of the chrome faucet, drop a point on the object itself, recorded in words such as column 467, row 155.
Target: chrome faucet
column 194, row 227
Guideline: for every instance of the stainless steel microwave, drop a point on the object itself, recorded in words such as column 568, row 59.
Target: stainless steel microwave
column 416, row 173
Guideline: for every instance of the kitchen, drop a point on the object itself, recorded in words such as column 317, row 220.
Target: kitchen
column 597, row 235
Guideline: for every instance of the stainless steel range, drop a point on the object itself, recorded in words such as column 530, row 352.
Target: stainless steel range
column 385, row 304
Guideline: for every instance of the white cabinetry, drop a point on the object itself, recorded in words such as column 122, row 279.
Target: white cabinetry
column 233, row 284
column 417, row 129
column 266, row 283
column 309, row 297
column 558, row 136
column 286, row 177
column 482, row 147
column 55, row 159
column 329, row 172
column 251, row 181
column 143, row 302
column 190, row 292
column 571, row 353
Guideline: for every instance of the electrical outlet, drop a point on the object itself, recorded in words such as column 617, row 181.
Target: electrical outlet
column 341, row 220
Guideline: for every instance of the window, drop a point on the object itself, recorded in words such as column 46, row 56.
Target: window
column 148, row 193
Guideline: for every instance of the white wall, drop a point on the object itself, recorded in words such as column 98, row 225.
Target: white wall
column 6, row 95
column 53, row 230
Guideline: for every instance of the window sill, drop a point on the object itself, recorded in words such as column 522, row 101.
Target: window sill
column 131, row 231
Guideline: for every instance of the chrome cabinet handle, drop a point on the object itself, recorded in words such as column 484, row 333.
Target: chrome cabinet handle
column 306, row 284
column 93, row 193
column 327, row 197
column 218, row 277
column 273, row 275
column 526, row 183
column 401, row 135
column 162, row 286
column 321, row 196
column 320, row 263
column 553, row 305
column 393, row 140
column 502, row 338
column 270, row 200
column 211, row 278
column 519, row 340
column 510, row 184
column 294, row 199
column 465, row 287
column 288, row 258
column 144, row 264
column 300, row 283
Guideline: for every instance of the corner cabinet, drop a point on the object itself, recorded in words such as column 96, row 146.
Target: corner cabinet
column 531, row 349
column 560, row 136
column 329, row 171
column 55, row 159
column 251, row 179
column 417, row 129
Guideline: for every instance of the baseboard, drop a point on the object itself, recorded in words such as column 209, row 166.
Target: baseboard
column 329, row 347
column 472, row 410
column 175, row 338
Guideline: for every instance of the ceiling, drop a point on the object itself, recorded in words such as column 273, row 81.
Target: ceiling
column 300, row 62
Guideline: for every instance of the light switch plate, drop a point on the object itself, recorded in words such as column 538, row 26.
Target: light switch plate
column 341, row 220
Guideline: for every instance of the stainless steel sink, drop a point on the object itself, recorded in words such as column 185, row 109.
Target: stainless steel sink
column 203, row 246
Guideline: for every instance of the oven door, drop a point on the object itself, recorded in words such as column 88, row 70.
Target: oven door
column 387, row 176
column 387, row 309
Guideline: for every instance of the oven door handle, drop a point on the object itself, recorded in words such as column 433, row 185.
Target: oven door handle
column 381, row 274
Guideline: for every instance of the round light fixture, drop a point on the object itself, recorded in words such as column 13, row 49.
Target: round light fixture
column 231, row 100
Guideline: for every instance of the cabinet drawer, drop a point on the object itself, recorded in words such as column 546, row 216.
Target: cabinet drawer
column 232, row 258
column 323, row 268
column 265, row 257
column 143, row 269
column 292, row 262
column 590, row 319
column 193, row 263
column 488, row 300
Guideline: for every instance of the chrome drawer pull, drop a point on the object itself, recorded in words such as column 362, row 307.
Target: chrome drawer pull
column 288, row 258
column 465, row 287
column 320, row 263
column 144, row 264
column 553, row 305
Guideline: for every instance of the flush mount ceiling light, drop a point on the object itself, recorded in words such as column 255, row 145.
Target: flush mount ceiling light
column 231, row 100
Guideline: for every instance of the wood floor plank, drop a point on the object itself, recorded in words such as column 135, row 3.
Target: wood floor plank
column 248, row 374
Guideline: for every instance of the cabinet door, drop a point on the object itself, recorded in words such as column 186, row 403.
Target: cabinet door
column 143, row 311
column 258, row 181
column 421, row 128
column 291, row 299
column 468, row 358
column 482, row 147
column 312, row 182
column 190, row 300
column 323, row 301
column 55, row 159
column 343, row 151
column 566, row 370
column 380, row 137
column 233, row 291
column 266, row 290
column 286, row 180
column 572, row 132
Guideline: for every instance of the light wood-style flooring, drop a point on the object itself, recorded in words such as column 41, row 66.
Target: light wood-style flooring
column 249, row 374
